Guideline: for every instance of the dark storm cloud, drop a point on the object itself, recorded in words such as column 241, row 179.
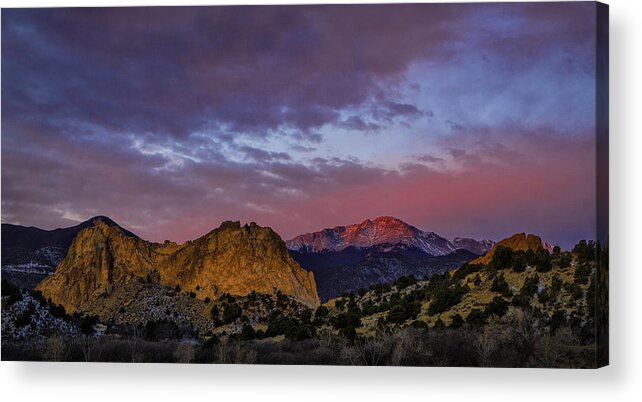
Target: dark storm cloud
column 171, row 120
column 175, row 70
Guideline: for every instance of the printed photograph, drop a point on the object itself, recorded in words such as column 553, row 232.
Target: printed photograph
column 390, row 184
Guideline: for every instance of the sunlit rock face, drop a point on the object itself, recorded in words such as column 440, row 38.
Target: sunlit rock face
column 518, row 241
column 232, row 259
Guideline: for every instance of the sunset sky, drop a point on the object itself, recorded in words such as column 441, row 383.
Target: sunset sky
column 468, row 120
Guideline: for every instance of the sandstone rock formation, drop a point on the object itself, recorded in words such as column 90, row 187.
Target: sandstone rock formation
column 518, row 241
column 232, row 259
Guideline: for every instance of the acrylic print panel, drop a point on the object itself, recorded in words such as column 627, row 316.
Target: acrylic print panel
column 404, row 184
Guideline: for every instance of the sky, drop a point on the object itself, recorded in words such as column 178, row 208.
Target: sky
column 471, row 120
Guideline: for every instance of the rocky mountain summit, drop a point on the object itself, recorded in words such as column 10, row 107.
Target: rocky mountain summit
column 383, row 230
column 232, row 259
column 347, row 258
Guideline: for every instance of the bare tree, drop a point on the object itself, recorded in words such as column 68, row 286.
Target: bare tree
column 184, row 352
column 134, row 340
column 550, row 349
column 401, row 344
column 55, row 349
column 523, row 329
column 366, row 352
column 486, row 345
column 87, row 346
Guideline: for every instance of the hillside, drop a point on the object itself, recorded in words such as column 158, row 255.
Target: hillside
column 522, row 309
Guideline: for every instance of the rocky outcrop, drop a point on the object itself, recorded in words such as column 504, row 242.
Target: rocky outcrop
column 29, row 254
column 232, row 259
column 518, row 241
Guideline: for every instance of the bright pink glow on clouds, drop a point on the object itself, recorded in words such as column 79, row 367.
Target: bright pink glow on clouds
column 549, row 195
column 176, row 119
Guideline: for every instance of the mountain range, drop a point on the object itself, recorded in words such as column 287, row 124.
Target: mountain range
column 383, row 230
column 343, row 259
column 347, row 258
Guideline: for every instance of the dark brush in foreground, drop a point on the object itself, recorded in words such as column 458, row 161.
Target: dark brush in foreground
column 524, row 308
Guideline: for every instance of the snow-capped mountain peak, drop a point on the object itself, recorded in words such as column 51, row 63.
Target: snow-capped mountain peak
column 381, row 230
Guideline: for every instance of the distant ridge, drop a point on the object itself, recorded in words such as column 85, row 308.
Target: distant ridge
column 29, row 253
column 380, row 250
column 31, row 237
column 383, row 230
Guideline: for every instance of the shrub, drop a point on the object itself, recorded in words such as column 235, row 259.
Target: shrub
column 211, row 341
column 466, row 270
column 397, row 314
column 500, row 285
column 282, row 300
column 530, row 285
column 419, row 324
column 279, row 324
column 247, row 333
column 497, row 306
column 157, row 330
column 543, row 263
column 446, row 297
column 25, row 318
column 87, row 323
column 300, row 332
column 502, row 257
column 381, row 288
column 557, row 320
column 476, row 318
column 556, row 283
column 404, row 281
column 347, row 323
column 521, row 300
column 58, row 311
column 321, row 311
column 519, row 261
column 575, row 290
column 231, row 313
column 456, row 321
column 543, row 296
column 564, row 260
column 369, row 308
column 585, row 251
column 10, row 291
column 582, row 273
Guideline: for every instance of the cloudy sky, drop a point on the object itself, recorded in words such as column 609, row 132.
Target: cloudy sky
column 468, row 120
